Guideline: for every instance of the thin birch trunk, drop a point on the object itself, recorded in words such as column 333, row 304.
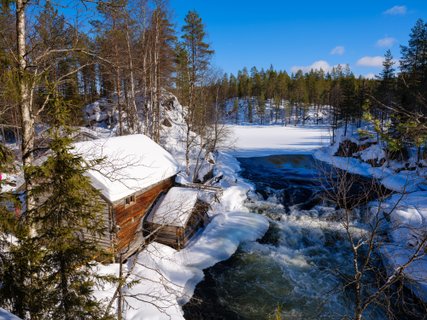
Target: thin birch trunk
column 25, row 102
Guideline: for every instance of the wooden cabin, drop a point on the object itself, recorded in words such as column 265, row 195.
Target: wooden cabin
column 134, row 172
column 175, row 217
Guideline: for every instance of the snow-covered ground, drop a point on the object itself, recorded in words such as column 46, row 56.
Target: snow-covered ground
column 402, row 181
column 408, row 228
column 250, row 141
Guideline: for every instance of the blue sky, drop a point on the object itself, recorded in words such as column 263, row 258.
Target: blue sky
column 292, row 34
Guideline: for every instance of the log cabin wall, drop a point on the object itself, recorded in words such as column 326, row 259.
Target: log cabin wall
column 128, row 216
column 178, row 237
column 106, row 240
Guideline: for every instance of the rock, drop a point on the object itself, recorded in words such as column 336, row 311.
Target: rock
column 166, row 123
column 346, row 149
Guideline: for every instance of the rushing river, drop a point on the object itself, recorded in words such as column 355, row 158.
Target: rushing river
column 297, row 265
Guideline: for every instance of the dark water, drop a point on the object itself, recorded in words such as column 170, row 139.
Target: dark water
column 297, row 266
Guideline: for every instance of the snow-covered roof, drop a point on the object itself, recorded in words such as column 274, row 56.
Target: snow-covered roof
column 175, row 208
column 130, row 163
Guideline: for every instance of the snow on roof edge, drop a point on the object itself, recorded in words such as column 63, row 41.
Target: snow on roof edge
column 175, row 208
column 131, row 163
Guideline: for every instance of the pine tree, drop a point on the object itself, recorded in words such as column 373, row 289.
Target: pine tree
column 182, row 79
column 349, row 107
column 413, row 65
column 250, row 110
column 198, row 50
column 233, row 87
column 260, row 108
column 198, row 53
column 236, row 109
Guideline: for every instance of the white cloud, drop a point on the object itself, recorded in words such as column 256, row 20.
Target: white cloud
column 396, row 10
column 369, row 76
column 367, row 61
column 317, row 65
column 386, row 42
column 338, row 50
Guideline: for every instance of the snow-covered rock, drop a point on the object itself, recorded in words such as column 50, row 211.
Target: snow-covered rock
column 373, row 152
column 405, row 210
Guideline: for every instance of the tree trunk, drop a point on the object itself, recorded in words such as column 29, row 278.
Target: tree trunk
column 25, row 103
column 120, row 293
column 156, row 81
column 119, row 103
column 64, row 287
column 118, row 90
column 345, row 126
column 187, row 149
column 135, row 120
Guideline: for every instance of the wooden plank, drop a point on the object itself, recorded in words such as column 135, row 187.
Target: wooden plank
column 128, row 217
column 143, row 202
column 178, row 237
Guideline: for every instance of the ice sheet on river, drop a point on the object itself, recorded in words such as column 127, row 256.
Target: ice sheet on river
column 252, row 141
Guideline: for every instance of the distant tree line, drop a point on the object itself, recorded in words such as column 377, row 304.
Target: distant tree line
column 338, row 90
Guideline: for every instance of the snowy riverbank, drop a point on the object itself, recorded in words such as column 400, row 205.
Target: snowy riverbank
column 406, row 209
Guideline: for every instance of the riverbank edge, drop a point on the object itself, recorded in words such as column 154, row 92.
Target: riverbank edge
column 400, row 184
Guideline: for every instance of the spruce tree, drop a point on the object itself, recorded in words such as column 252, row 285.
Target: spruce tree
column 386, row 90
column 68, row 223
column 22, row 289
column 47, row 271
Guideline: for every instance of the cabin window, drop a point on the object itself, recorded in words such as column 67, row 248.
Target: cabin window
column 130, row 200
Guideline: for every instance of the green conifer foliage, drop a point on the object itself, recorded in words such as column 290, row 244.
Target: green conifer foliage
column 68, row 224
column 413, row 65
column 48, row 272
